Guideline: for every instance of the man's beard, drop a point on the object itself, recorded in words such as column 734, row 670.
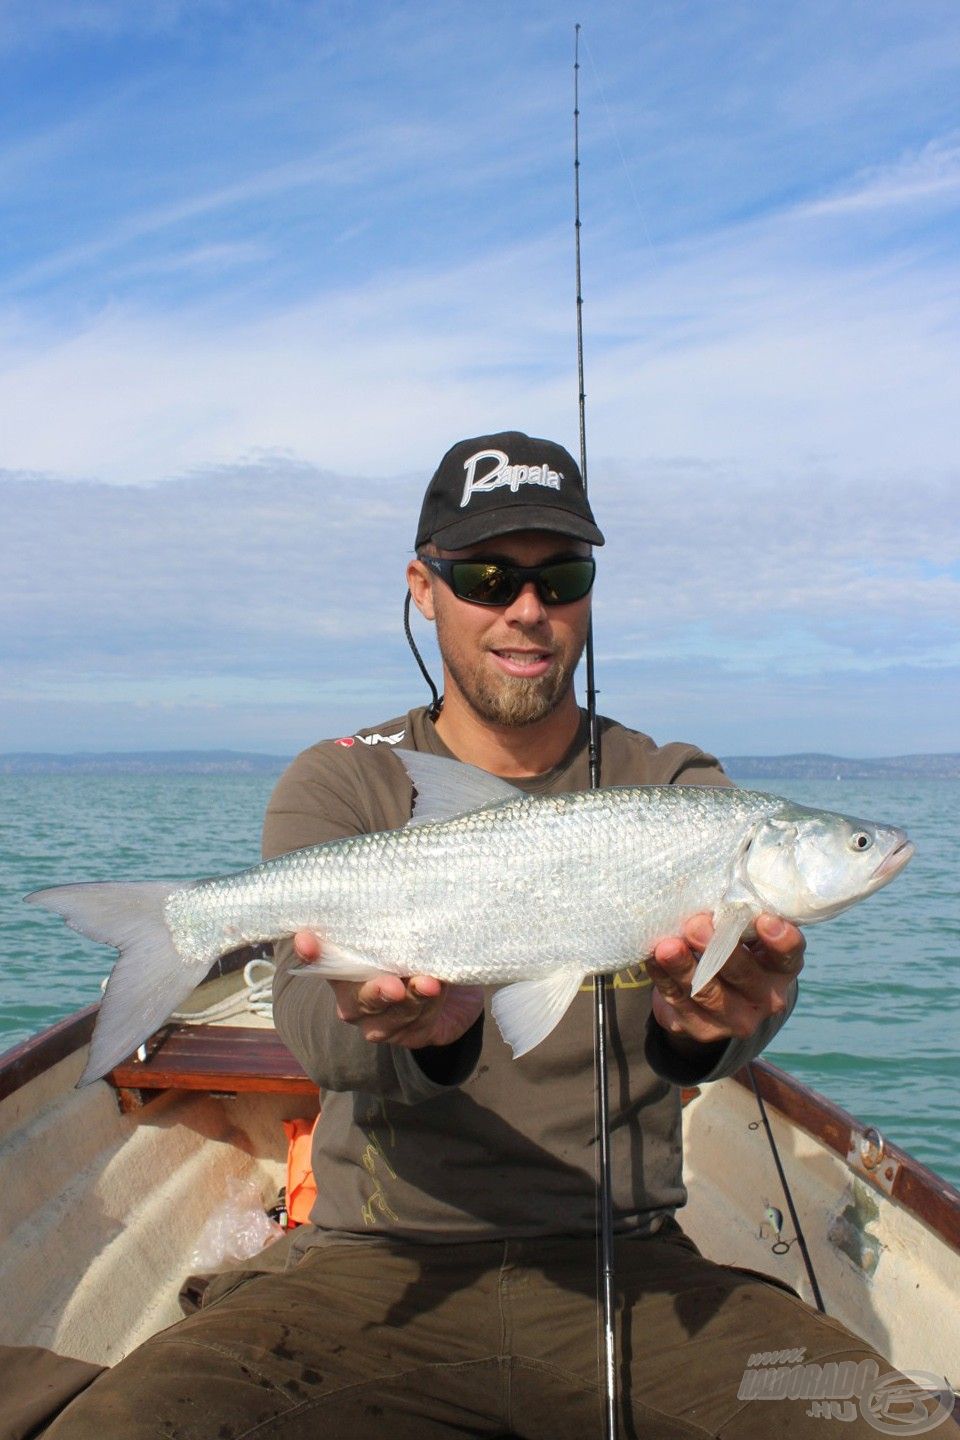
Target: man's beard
column 512, row 699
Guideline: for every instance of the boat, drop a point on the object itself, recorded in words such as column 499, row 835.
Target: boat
column 105, row 1190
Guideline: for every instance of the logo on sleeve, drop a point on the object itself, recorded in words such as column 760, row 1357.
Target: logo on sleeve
column 348, row 741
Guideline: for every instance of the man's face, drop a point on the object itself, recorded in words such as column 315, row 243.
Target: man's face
column 512, row 664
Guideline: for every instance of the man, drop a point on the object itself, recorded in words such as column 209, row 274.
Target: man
column 447, row 1284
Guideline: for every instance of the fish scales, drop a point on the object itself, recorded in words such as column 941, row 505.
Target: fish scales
column 497, row 895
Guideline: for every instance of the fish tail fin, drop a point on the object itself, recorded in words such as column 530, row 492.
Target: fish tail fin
column 149, row 980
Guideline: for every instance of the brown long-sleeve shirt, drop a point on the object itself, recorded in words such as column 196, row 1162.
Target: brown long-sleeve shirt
column 499, row 1147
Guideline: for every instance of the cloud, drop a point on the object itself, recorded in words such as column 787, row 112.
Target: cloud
column 312, row 272
column 354, row 162
column 913, row 180
column 276, row 587
column 744, row 347
column 29, row 23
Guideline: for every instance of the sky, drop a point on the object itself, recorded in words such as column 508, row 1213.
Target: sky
column 262, row 263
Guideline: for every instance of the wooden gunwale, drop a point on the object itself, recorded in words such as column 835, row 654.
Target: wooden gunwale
column 917, row 1188
column 41, row 1052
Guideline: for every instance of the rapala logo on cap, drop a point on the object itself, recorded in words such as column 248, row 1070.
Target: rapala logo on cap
column 503, row 473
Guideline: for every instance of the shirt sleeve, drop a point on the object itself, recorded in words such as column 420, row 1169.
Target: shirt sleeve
column 716, row 1061
column 337, row 1057
column 316, row 800
column 695, row 767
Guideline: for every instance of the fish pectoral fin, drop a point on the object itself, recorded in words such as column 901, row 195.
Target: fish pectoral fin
column 449, row 788
column 338, row 963
column 528, row 1010
column 729, row 923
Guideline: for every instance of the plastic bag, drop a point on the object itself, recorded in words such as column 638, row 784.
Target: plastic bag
column 237, row 1230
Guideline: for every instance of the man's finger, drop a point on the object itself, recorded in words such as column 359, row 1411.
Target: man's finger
column 698, row 932
column 357, row 1000
column 781, row 945
column 424, row 987
column 670, row 988
column 784, row 965
column 407, row 1021
column 383, row 992
column 307, row 945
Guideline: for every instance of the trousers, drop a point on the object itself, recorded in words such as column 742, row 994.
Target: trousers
column 490, row 1339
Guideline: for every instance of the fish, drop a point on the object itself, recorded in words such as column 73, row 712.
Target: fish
column 487, row 885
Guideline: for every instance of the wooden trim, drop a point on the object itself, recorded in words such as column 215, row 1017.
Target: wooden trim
column 926, row 1195
column 917, row 1188
column 220, row 1058
column 41, row 1052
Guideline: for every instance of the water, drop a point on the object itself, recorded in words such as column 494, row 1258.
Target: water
column 876, row 1026
column 60, row 828
column 878, row 1021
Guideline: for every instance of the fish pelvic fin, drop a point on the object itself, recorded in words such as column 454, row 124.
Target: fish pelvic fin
column 729, row 923
column 528, row 1010
column 149, row 980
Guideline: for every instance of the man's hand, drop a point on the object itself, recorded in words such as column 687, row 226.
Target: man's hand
column 752, row 985
column 387, row 1009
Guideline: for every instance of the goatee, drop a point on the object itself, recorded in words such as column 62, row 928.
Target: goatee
column 508, row 699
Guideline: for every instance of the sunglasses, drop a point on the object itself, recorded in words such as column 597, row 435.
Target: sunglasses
column 499, row 582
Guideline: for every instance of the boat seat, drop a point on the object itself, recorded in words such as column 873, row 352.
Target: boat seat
column 219, row 1059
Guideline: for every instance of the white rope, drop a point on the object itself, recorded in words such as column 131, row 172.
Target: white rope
column 256, row 996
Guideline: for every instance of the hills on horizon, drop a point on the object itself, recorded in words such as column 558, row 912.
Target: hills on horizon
column 804, row 766
column 816, row 766
column 143, row 762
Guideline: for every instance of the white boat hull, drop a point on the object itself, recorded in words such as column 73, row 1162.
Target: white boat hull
column 100, row 1210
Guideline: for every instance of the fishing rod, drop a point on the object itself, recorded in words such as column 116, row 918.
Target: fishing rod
column 600, row 982
column 798, row 1231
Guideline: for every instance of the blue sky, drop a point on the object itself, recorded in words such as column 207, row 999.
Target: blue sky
column 263, row 262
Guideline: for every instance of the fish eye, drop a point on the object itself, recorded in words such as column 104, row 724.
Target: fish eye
column 861, row 841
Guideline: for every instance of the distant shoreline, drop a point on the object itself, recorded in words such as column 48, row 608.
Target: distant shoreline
column 145, row 762
column 812, row 766
column 839, row 767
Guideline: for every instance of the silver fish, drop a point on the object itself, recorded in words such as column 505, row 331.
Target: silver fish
column 488, row 885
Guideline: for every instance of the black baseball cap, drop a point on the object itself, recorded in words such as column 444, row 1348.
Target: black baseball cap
column 496, row 484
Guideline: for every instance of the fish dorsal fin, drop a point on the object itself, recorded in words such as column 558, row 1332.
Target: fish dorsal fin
column 448, row 788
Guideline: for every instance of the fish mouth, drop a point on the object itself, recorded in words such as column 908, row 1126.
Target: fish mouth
column 895, row 861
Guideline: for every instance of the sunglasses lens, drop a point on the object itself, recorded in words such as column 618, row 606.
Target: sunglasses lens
column 484, row 583
column 566, row 581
